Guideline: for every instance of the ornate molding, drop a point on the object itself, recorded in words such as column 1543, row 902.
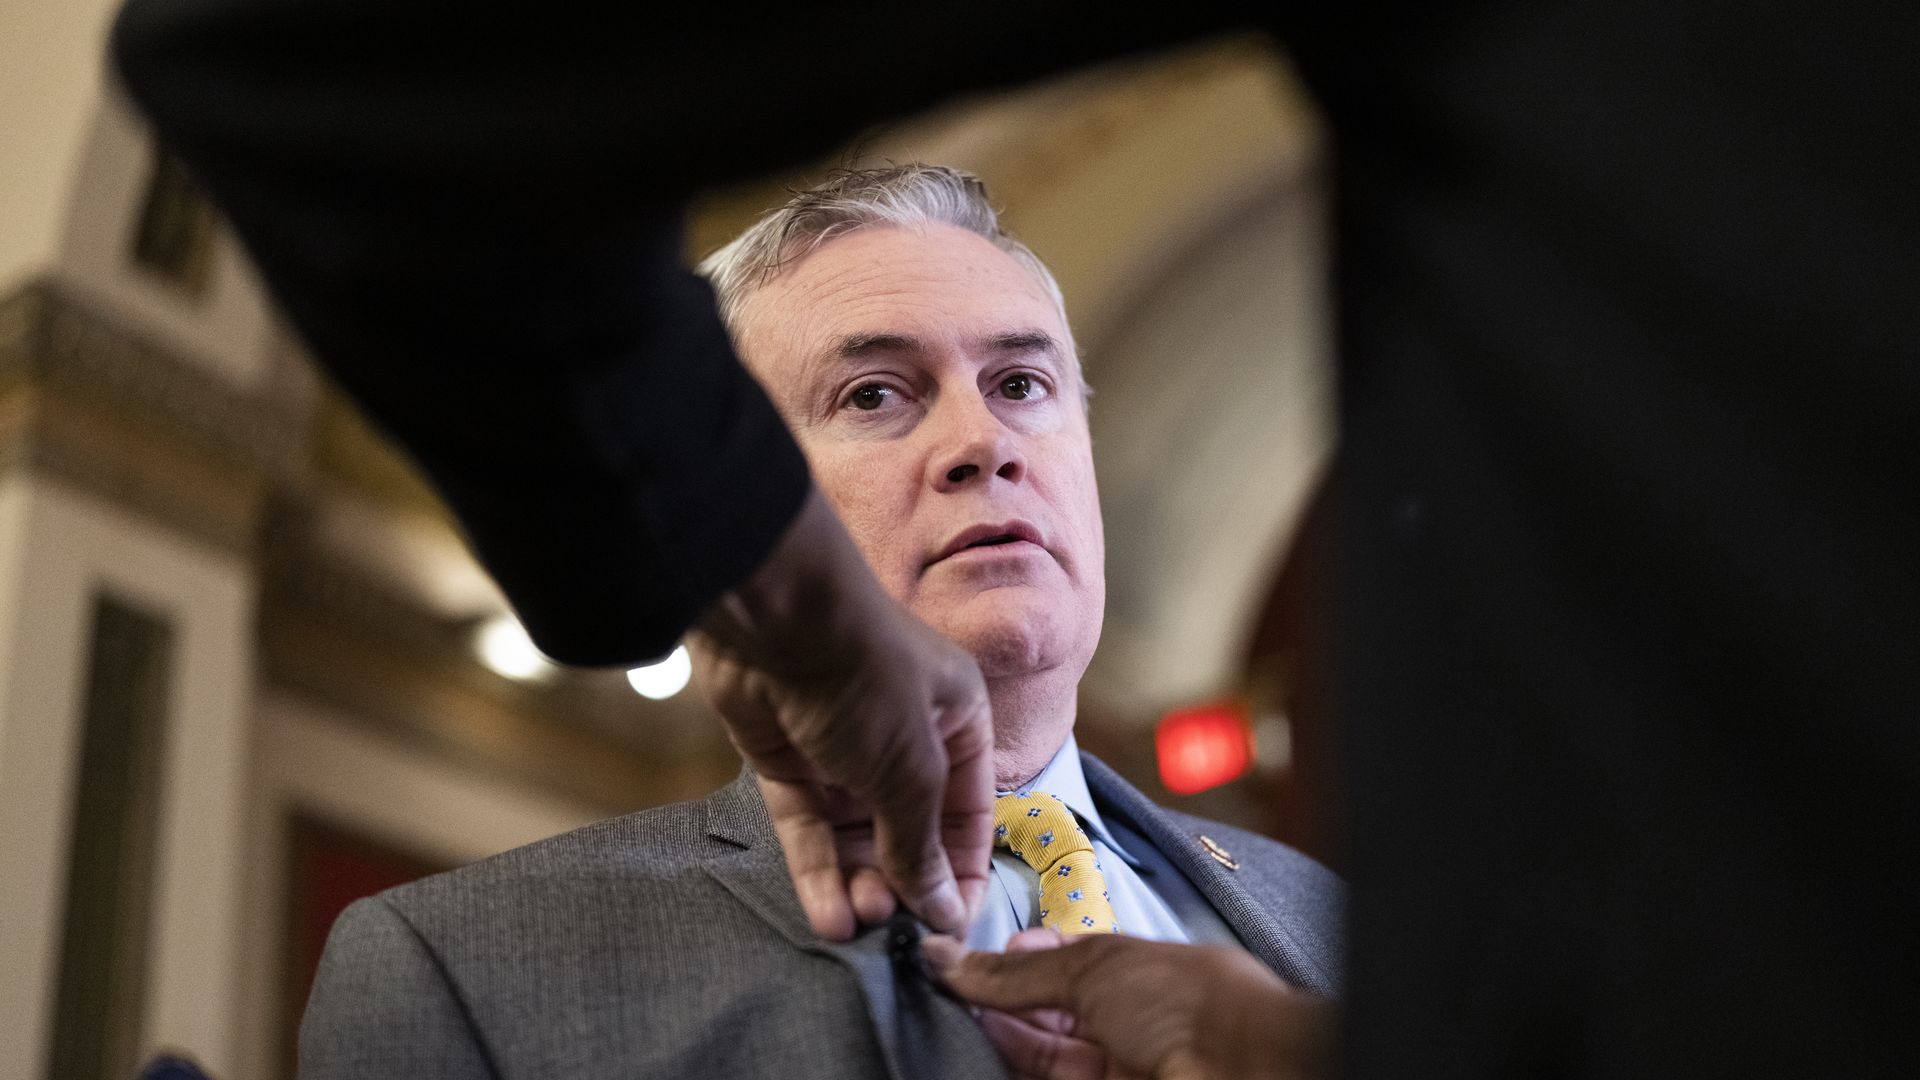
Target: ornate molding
column 90, row 401
column 62, row 342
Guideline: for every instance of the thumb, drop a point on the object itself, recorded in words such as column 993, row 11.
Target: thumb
column 907, row 838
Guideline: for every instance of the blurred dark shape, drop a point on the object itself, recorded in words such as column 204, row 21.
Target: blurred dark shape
column 104, row 952
column 173, row 1067
column 174, row 239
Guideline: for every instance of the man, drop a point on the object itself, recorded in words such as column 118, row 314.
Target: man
column 924, row 361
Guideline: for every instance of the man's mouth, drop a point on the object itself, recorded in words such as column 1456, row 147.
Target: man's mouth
column 989, row 536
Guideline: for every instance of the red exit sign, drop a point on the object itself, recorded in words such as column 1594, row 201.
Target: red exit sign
column 1204, row 746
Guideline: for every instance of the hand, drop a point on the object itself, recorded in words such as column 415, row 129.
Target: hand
column 1039, row 1044
column 870, row 733
column 1154, row 1009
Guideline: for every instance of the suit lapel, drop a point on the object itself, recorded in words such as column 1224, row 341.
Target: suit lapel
column 1248, row 918
column 921, row 1031
column 751, row 866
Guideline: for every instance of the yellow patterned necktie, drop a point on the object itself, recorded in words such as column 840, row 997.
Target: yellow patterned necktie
column 1042, row 831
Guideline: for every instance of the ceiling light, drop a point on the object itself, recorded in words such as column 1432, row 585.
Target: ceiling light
column 504, row 646
column 663, row 680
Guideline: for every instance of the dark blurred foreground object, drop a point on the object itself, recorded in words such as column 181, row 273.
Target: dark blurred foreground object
column 172, row 1067
column 1630, row 312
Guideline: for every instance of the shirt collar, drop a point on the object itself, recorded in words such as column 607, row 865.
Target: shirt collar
column 1064, row 779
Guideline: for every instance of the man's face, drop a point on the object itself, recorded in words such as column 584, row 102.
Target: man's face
column 930, row 381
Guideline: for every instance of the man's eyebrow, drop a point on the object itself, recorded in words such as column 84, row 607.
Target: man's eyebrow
column 1024, row 341
column 853, row 346
column 862, row 344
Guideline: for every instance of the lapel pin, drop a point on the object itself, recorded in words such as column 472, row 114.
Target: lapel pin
column 1220, row 855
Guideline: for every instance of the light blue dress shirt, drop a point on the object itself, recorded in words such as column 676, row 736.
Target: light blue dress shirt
column 1014, row 889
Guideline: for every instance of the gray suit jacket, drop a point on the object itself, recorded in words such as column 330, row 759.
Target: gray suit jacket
column 670, row 943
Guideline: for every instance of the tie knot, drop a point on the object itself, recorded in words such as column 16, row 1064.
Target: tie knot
column 1044, row 833
column 1037, row 827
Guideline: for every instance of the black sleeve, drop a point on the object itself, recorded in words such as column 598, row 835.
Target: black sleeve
column 472, row 214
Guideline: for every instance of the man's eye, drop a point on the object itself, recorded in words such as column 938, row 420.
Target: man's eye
column 869, row 397
column 1020, row 387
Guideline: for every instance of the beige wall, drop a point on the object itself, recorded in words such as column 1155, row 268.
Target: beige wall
column 1212, row 420
column 57, row 549
column 50, row 76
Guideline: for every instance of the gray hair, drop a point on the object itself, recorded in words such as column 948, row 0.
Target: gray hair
column 908, row 195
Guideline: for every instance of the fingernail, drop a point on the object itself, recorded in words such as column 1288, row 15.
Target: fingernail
column 942, row 952
column 945, row 910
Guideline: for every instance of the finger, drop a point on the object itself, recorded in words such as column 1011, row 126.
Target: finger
column 1031, row 1051
column 1037, row 939
column 1047, row 978
column 873, row 902
column 941, row 953
column 807, row 838
column 967, row 811
column 867, row 890
column 853, row 843
column 1058, row 1021
column 1040, row 939
column 915, row 865
column 922, row 798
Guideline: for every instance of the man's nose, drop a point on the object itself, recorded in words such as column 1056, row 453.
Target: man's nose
column 973, row 445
